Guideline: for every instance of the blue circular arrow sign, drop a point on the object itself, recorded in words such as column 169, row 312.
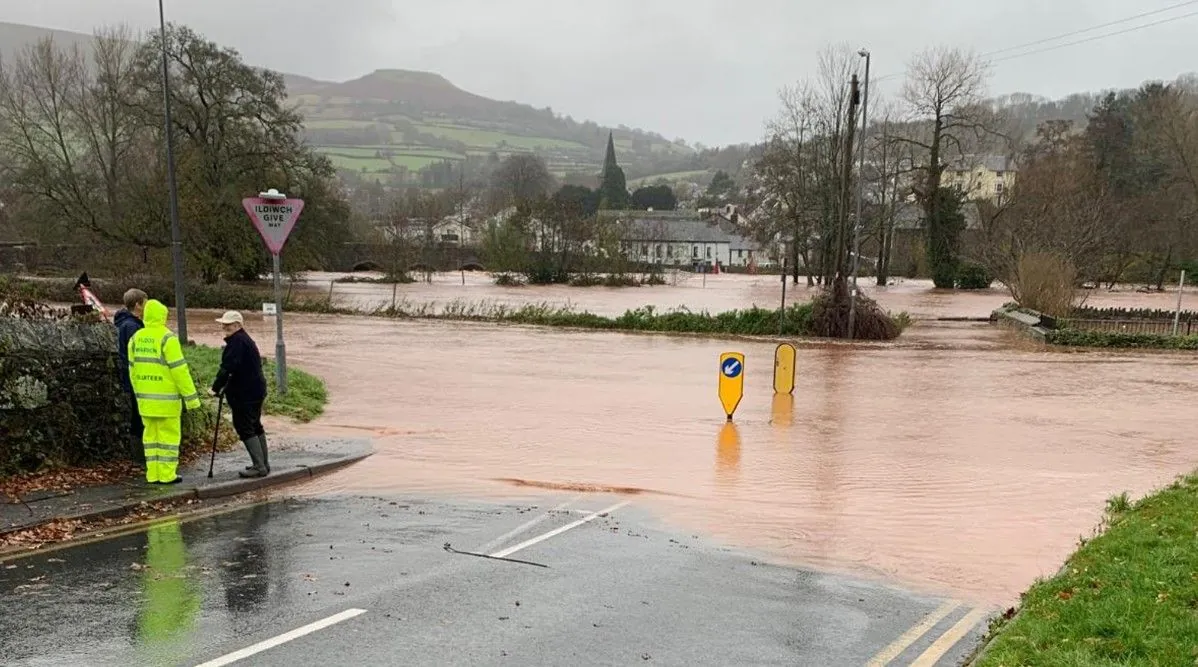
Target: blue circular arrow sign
column 731, row 367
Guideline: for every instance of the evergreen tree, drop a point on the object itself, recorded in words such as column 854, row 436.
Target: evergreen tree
column 613, row 190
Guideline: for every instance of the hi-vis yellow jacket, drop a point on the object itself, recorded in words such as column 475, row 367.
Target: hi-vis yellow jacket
column 161, row 379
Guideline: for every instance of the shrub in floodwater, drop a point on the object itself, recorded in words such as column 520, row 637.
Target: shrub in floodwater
column 620, row 280
column 829, row 318
column 508, row 280
column 586, row 280
column 1045, row 283
column 973, row 276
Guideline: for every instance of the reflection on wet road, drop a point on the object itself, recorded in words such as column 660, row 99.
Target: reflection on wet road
column 957, row 459
column 373, row 581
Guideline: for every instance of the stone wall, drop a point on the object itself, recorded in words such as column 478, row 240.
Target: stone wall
column 60, row 398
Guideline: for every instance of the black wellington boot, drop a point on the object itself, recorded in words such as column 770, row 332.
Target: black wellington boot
column 255, row 450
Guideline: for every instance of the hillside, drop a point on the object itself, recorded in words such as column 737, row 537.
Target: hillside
column 392, row 120
column 390, row 124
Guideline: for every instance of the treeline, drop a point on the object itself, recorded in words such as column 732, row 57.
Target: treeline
column 1116, row 200
column 83, row 155
column 1112, row 200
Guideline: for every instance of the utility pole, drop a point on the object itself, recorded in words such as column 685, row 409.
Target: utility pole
column 842, row 240
column 176, row 232
column 864, row 53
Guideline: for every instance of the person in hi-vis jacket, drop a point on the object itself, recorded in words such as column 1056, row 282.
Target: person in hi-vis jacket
column 162, row 386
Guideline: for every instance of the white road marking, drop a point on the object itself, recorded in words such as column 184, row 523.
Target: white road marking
column 526, row 525
column 558, row 531
column 283, row 638
column 910, row 636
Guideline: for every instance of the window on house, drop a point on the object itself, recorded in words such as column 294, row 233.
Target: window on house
column 658, row 250
column 644, row 249
column 695, row 252
column 740, row 253
column 669, row 251
column 708, row 252
column 998, row 188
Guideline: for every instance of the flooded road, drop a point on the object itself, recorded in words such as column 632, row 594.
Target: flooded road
column 957, row 460
column 714, row 293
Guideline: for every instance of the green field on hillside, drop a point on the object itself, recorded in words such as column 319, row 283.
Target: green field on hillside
column 476, row 138
column 675, row 177
column 359, row 164
column 339, row 124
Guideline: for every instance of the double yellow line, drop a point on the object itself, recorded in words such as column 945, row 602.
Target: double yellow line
column 121, row 530
column 943, row 643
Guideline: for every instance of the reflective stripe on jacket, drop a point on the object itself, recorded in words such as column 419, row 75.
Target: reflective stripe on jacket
column 160, row 376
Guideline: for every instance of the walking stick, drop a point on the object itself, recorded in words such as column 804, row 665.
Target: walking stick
column 220, row 403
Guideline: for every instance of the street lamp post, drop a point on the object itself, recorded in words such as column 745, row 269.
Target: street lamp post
column 176, row 232
column 864, row 53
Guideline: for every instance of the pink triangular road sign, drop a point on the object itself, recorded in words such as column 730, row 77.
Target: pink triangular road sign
column 273, row 218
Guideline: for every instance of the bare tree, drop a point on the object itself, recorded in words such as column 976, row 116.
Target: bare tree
column 945, row 95
column 74, row 144
column 522, row 180
column 800, row 181
column 1059, row 206
column 890, row 164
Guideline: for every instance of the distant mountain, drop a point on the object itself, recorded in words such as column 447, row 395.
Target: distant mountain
column 390, row 124
column 14, row 37
column 411, row 119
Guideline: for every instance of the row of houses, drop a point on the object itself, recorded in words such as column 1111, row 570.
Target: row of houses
column 717, row 236
column 668, row 238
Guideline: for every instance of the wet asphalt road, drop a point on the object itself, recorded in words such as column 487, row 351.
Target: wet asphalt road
column 367, row 581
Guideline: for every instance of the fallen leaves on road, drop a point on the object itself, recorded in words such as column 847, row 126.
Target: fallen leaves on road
column 35, row 537
column 61, row 530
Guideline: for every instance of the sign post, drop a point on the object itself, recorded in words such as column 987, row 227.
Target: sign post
column 274, row 216
column 784, row 369
column 732, row 381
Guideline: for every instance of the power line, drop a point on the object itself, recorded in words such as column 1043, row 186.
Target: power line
column 1092, row 28
column 1096, row 37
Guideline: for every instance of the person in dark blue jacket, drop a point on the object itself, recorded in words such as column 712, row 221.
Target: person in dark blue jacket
column 128, row 322
column 241, row 380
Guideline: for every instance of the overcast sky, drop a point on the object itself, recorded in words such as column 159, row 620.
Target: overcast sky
column 703, row 70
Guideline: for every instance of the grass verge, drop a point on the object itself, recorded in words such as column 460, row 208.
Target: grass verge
column 747, row 322
column 306, row 394
column 1128, row 596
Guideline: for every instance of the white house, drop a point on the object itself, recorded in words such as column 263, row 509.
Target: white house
column 448, row 231
column 685, row 241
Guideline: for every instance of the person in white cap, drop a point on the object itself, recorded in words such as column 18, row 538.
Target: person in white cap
column 241, row 380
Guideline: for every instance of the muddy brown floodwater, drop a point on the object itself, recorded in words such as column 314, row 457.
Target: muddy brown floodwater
column 713, row 293
column 957, row 460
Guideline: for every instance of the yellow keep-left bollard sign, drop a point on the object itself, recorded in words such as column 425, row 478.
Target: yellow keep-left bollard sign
column 732, row 381
column 784, row 369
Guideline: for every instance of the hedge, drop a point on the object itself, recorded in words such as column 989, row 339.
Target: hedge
column 1117, row 339
column 61, row 403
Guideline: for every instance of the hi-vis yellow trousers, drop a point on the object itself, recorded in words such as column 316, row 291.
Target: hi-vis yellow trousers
column 161, row 443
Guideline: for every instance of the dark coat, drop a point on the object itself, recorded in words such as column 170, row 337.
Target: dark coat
column 127, row 324
column 240, row 376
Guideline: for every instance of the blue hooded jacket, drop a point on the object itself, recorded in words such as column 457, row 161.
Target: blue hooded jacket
column 127, row 324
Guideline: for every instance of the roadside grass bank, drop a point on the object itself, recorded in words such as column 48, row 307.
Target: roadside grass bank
column 306, row 396
column 1128, row 596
